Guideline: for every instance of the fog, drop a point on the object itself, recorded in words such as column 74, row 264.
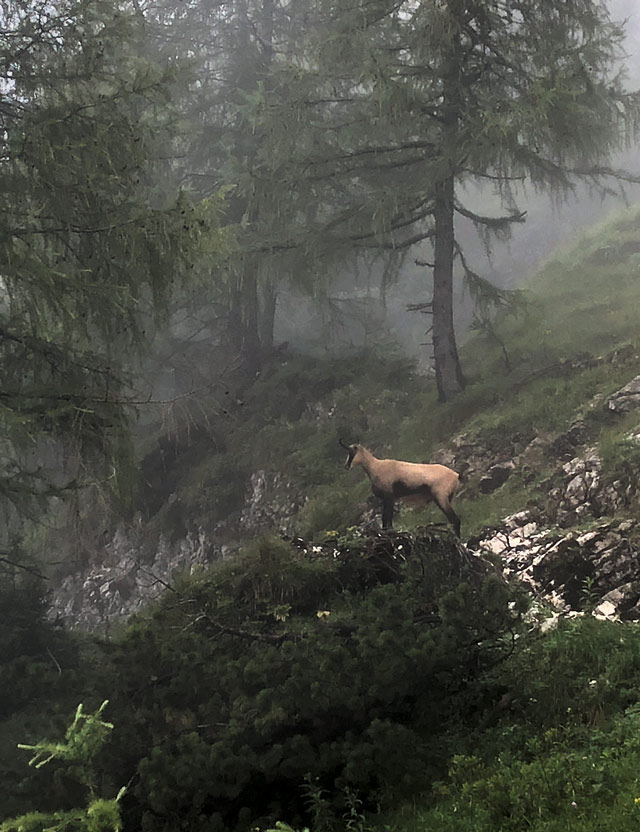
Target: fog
column 550, row 222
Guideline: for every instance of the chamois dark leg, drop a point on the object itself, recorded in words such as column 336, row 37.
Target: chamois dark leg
column 387, row 513
column 451, row 516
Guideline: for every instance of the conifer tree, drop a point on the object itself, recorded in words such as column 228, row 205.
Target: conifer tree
column 238, row 50
column 90, row 246
column 84, row 739
column 401, row 105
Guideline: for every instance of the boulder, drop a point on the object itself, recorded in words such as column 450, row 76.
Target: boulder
column 598, row 568
column 626, row 399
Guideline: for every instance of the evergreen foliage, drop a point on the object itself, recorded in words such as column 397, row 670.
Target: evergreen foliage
column 84, row 738
column 89, row 245
column 565, row 755
column 338, row 663
column 225, row 150
column 301, row 663
column 313, row 684
column 235, row 672
column 24, row 639
column 401, row 107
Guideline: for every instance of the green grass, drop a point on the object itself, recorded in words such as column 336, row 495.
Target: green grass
column 564, row 754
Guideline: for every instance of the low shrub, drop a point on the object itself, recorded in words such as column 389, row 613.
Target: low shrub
column 337, row 663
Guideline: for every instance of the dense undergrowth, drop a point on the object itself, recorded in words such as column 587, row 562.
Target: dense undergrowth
column 385, row 682
column 563, row 755
column 285, row 672
column 385, row 687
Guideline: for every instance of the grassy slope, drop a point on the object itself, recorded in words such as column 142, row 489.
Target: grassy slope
column 565, row 754
column 585, row 300
column 561, row 750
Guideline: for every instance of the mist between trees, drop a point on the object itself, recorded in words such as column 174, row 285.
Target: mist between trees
column 190, row 193
column 183, row 174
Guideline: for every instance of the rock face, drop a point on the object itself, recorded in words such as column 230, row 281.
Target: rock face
column 626, row 399
column 496, row 476
column 598, row 569
column 584, row 493
column 131, row 572
column 475, row 462
column 577, row 498
column 270, row 504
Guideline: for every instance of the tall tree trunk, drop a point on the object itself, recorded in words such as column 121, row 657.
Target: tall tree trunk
column 268, row 317
column 449, row 377
column 234, row 325
column 251, row 347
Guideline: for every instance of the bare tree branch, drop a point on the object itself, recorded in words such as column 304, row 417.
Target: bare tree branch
column 23, row 566
column 490, row 222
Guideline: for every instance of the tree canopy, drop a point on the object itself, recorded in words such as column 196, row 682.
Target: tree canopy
column 400, row 107
column 90, row 243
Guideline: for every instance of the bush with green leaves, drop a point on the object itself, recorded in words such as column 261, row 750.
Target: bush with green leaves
column 561, row 751
column 335, row 663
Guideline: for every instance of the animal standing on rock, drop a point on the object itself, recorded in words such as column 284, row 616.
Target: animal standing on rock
column 412, row 482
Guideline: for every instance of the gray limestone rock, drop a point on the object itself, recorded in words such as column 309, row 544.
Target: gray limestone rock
column 573, row 570
column 626, row 399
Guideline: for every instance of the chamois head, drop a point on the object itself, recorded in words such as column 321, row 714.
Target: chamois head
column 352, row 451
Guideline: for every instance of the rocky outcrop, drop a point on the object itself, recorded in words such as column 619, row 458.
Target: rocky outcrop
column 626, row 399
column 475, row 463
column 271, row 503
column 136, row 566
column 598, row 569
column 496, row 476
column 571, row 569
column 584, row 492
column 577, row 497
column 128, row 573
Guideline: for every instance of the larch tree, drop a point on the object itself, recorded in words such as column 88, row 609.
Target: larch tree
column 407, row 103
column 90, row 246
column 233, row 49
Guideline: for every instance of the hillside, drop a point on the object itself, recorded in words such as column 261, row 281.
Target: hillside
column 253, row 688
column 270, row 461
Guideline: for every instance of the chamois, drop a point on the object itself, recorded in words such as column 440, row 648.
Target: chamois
column 413, row 482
